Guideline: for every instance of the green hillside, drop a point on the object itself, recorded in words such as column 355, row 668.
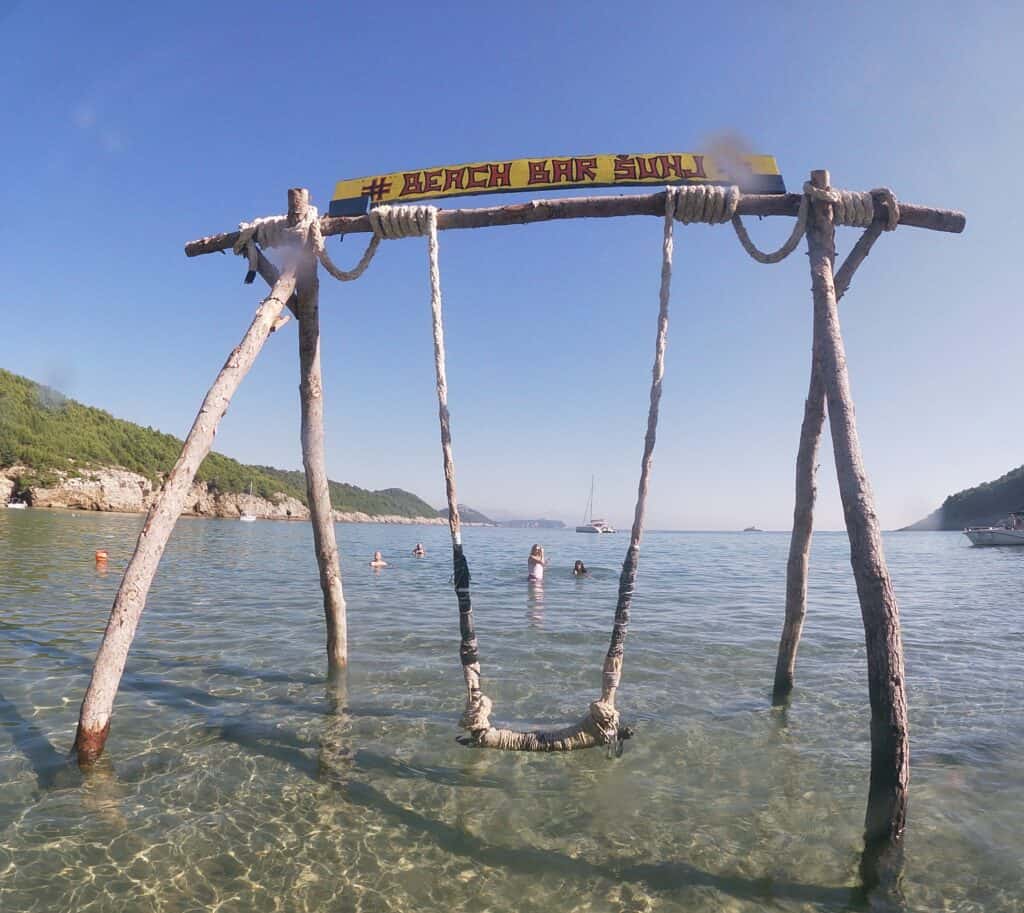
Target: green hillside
column 468, row 515
column 982, row 505
column 45, row 431
column 350, row 497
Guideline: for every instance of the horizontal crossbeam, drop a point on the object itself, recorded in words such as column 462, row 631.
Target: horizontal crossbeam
column 652, row 204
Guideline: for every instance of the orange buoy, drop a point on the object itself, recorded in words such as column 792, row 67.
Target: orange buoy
column 101, row 555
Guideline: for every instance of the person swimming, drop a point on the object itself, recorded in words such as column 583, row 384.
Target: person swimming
column 419, row 551
column 580, row 570
column 378, row 560
column 535, row 564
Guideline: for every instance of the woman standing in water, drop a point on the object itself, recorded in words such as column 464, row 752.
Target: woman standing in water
column 535, row 564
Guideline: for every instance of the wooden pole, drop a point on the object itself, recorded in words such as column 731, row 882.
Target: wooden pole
column 94, row 717
column 807, row 490
column 546, row 210
column 890, row 749
column 313, row 460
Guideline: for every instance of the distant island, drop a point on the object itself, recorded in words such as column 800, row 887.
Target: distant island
column 532, row 524
column 55, row 452
column 982, row 505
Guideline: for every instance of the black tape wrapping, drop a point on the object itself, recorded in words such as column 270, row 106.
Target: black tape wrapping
column 461, row 577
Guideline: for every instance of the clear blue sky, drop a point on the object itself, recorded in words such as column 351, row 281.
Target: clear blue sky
column 131, row 128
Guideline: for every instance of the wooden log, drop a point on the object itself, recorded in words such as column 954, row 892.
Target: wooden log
column 94, row 717
column 547, row 210
column 271, row 274
column 313, row 460
column 807, row 491
column 890, row 749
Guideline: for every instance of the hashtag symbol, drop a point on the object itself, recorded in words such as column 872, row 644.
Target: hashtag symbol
column 376, row 189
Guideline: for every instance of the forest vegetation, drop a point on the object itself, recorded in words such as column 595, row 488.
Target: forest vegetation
column 49, row 434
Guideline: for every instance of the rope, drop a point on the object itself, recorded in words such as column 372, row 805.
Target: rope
column 856, row 207
column 788, row 246
column 612, row 670
column 274, row 231
column 415, row 221
column 849, row 207
column 601, row 725
column 704, row 203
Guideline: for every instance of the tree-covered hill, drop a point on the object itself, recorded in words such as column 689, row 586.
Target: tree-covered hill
column 468, row 515
column 982, row 505
column 46, row 432
column 352, row 498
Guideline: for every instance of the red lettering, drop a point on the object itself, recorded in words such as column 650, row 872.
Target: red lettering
column 432, row 180
column 500, row 175
column 474, row 181
column 624, row 168
column 584, row 169
column 411, row 183
column 538, row 172
column 454, row 177
column 652, row 167
column 698, row 168
column 561, row 170
column 674, row 166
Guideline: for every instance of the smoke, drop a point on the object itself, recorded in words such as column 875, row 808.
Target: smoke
column 58, row 377
column 729, row 150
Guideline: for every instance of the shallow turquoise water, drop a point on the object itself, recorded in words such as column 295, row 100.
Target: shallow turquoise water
column 234, row 781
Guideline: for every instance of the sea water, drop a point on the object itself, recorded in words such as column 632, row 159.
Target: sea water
column 234, row 780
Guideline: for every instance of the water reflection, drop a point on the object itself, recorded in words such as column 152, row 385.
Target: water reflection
column 535, row 603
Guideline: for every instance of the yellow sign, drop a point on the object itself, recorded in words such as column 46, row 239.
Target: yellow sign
column 753, row 174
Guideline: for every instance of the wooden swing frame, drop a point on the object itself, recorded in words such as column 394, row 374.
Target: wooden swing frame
column 296, row 287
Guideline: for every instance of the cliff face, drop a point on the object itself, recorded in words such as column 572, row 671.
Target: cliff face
column 127, row 492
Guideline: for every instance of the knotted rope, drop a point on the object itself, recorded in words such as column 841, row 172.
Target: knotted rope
column 703, row 202
column 856, row 207
column 274, row 231
column 849, row 207
column 388, row 222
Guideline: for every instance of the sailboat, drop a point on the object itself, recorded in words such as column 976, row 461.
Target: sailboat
column 590, row 523
column 245, row 516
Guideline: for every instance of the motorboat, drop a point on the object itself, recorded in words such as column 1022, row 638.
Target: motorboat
column 752, row 529
column 16, row 505
column 592, row 524
column 1010, row 533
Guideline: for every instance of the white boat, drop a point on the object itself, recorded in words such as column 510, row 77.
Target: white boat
column 16, row 505
column 752, row 529
column 245, row 516
column 592, row 524
column 1012, row 533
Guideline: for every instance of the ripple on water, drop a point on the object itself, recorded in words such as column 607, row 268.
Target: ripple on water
column 236, row 781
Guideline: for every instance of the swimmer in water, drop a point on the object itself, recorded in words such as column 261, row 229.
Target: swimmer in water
column 579, row 570
column 536, row 562
column 378, row 560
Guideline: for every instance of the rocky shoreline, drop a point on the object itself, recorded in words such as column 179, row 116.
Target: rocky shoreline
column 121, row 491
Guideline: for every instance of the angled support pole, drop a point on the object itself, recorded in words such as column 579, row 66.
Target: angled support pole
column 94, row 717
column 807, row 490
column 307, row 309
column 890, row 748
